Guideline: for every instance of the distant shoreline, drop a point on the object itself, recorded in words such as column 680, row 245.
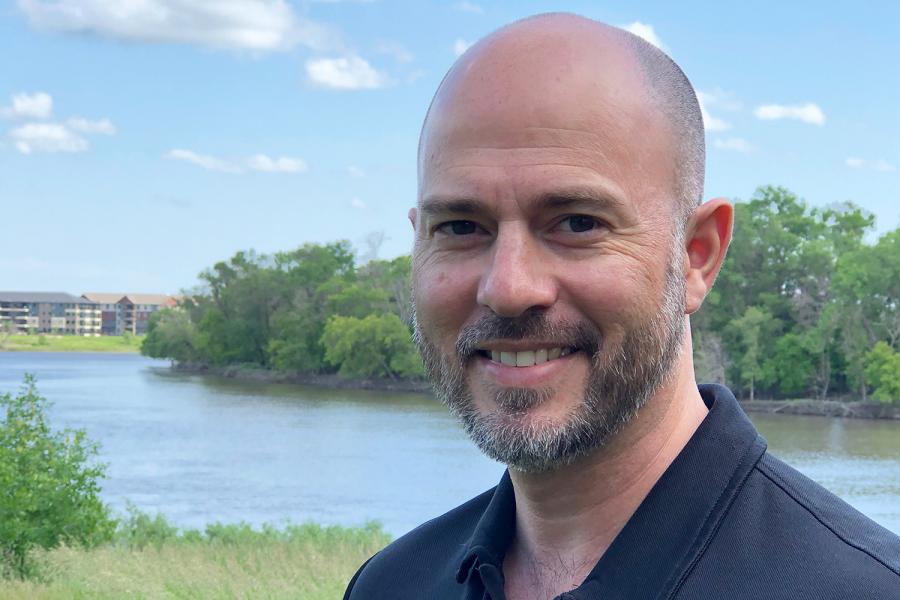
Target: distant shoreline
column 331, row 380
column 807, row 407
column 72, row 343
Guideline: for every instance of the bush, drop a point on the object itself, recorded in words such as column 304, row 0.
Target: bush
column 376, row 346
column 49, row 490
column 138, row 530
column 883, row 372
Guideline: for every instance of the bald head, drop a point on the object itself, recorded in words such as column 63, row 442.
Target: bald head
column 571, row 73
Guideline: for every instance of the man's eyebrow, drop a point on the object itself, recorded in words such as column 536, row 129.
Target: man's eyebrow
column 554, row 200
column 578, row 198
column 444, row 206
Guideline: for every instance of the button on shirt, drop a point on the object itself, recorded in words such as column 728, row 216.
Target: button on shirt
column 725, row 520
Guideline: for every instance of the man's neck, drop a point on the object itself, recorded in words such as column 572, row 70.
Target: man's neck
column 566, row 519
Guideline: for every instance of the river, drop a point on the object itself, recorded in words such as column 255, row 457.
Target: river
column 204, row 449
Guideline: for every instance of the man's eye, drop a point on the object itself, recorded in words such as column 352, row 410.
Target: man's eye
column 579, row 223
column 459, row 227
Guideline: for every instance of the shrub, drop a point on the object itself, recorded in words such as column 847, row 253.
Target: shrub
column 139, row 530
column 883, row 372
column 49, row 490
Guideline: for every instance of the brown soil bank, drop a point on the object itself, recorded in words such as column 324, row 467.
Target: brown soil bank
column 328, row 381
column 824, row 408
column 820, row 408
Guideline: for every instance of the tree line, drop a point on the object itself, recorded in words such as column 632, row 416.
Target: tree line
column 805, row 306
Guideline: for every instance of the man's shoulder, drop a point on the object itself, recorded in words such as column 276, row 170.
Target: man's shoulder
column 427, row 556
column 819, row 509
column 786, row 536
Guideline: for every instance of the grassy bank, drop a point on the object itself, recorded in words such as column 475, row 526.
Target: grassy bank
column 225, row 561
column 72, row 343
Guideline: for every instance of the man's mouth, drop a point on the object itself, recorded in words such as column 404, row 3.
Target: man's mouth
column 525, row 358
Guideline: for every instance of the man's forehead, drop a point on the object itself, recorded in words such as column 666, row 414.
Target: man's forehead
column 556, row 80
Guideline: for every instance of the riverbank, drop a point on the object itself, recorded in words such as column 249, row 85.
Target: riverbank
column 330, row 380
column 72, row 343
column 809, row 407
column 824, row 408
column 225, row 561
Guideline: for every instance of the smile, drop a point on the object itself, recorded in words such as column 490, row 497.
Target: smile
column 525, row 358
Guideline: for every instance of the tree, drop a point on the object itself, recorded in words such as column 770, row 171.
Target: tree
column 49, row 483
column 170, row 334
column 750, row 330
column 883, row 370
column 376, row 346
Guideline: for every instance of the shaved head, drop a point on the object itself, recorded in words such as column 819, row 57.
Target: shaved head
column 555, row 53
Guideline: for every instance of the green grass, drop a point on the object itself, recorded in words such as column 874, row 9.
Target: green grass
column 72, row 343
column 151, row 559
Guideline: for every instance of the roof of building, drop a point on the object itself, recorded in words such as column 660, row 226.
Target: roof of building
column 103, row 297
column 152, row 299
column 114, row 298
column 43, row 297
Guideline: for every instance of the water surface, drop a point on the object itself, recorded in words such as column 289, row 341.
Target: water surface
column 203, row 449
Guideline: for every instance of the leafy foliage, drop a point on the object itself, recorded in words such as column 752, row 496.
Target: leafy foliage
column 375, row 346
column 883, row 370
column 49, row 484
column 801, row 300
column 273, row 311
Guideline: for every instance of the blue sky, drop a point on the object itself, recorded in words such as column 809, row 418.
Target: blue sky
column 141, row 142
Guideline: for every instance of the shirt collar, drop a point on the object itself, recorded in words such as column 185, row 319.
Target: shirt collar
column 672, row 526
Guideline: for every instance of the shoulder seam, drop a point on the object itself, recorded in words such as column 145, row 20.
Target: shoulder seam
column 788, row 489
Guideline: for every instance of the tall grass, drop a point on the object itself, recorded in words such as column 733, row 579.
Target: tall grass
column 73, row 343
column 152, row 559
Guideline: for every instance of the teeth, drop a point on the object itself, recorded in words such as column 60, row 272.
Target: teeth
column 527, row 358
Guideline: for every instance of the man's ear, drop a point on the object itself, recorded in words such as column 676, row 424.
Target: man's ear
column 706, row 241
column 412, row 217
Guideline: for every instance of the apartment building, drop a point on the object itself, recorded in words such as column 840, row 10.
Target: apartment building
column 49, row 312
column 128, row 312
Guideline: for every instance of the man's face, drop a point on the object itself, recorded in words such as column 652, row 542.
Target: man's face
column 547, row 272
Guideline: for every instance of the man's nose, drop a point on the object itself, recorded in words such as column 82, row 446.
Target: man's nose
column 518, row 277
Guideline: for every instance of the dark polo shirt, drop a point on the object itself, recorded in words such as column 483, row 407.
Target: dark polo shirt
column 726, row 520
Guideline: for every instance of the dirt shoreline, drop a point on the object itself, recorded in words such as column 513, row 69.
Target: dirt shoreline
column 820, row 408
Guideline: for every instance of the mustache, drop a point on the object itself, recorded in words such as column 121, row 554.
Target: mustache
column 535, row 324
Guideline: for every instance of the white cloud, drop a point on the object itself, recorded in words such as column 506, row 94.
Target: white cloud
column 261, row 162
column 29, row 106
column 875, row 165
column 46, row 137
column 257, row 162
column 642, row 30
column 348, row 73
column 203, row 160
column 883, row 165
column 258, row 25
column 103, row 126
column 460, row 46
column 355, row 172
column 469, row 7
column 395, row 49
column 357, row 203
column 733, row 143
column 716, row 98
column 808, row 113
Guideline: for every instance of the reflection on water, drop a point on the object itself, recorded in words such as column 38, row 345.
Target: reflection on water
column 202, row 449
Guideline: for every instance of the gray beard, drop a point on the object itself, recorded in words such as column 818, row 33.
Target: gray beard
column 616, row 388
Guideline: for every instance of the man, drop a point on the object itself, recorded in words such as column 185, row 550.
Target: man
column 559, row 248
